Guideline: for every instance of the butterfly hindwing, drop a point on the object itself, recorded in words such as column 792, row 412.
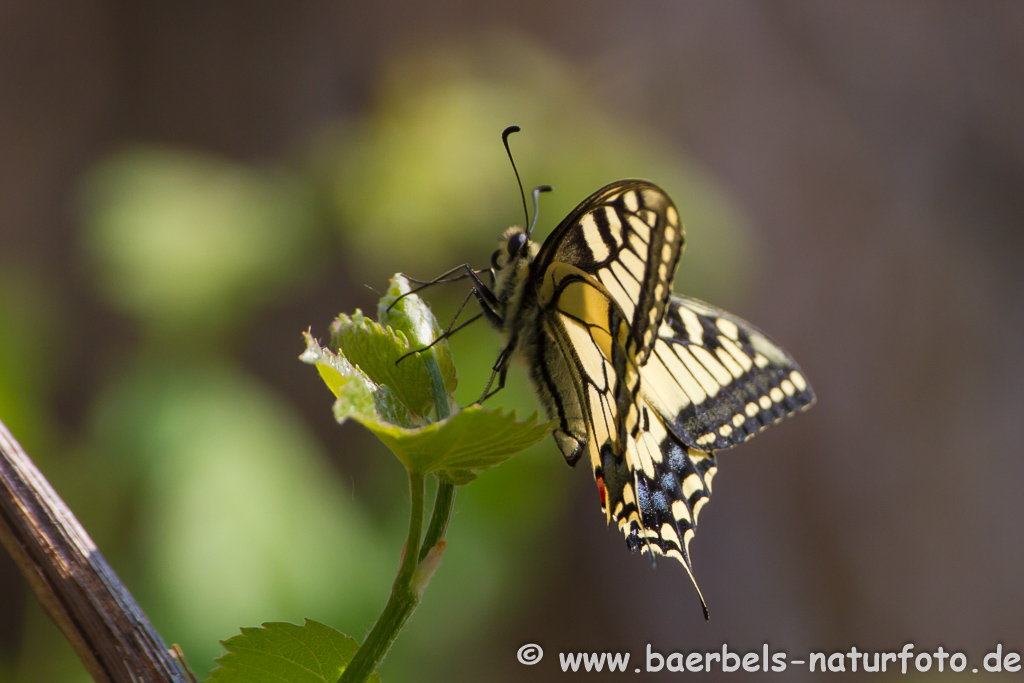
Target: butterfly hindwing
column 575, row 367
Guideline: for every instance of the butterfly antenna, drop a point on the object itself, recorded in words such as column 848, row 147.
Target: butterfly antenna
column 504, row 138
column 536, row 193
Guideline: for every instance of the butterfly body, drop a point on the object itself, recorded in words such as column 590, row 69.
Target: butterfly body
column 646, row 384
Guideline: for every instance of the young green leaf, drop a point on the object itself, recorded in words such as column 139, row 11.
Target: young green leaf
column 459, row 447
column 412, row 316
column 400, row 401
column 358, row 397
column 376, row 350
column 313, row 653
column 472, row 440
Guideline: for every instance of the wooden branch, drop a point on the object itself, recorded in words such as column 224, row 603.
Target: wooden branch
column 75, row 585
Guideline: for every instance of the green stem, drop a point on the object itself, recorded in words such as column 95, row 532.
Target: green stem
column 444, row 502
column 405, row 595
column 404, row 598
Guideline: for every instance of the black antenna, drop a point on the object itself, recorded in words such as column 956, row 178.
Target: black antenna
column 504, row 138
column 536, row 193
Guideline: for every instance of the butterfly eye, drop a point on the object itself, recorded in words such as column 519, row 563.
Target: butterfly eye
column 494, row 259
column 515, row 243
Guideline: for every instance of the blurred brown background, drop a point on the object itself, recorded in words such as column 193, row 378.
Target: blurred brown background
column 185, row 187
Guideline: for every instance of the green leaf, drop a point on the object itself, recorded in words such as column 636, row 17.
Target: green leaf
column 376, row 350
column 412, row 316
column 313, row 653
column 472, row 440
column 458, row 448
column 358, row 396
column 394, row 400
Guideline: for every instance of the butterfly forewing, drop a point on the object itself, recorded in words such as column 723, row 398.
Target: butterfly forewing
column 717, row 379
column 628, row 237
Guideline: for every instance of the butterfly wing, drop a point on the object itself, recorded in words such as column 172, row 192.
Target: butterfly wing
column 712, row 380
column 627, row 236
column 716, row 379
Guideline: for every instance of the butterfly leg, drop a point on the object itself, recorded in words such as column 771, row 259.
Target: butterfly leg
column 444, row 335
column 451, row 329
column 440, row 279
column 486, row 298
column 499, row 370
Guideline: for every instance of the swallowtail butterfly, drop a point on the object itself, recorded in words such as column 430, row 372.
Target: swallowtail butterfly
column 647, row 385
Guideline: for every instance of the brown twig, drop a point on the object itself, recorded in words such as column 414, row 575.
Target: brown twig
column 75, row 585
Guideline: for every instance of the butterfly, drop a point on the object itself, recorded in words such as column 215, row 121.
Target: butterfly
column 646, row 384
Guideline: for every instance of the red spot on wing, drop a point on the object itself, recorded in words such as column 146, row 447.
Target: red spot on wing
column 601, row 492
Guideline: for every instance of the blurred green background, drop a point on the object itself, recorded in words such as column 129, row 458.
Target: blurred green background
column 185, row 188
